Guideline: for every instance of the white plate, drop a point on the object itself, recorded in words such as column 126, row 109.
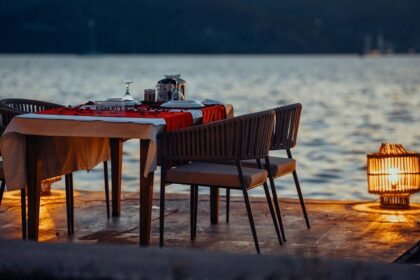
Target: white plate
column 211, row 102
column 109, row 103
column 182, row 104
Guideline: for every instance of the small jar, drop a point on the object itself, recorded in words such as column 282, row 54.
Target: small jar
column 149, row 95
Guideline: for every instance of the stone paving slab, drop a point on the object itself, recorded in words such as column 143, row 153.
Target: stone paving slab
column 340, row 229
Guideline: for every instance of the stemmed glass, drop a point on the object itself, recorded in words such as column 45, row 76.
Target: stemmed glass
column 127, row 96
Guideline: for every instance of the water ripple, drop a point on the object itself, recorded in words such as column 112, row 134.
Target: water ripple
column 350, row 105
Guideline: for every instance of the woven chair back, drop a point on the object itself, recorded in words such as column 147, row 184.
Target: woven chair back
column 238, row 138
column 286, row 126
column 12, row 107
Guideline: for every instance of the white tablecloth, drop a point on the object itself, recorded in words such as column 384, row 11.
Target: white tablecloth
column 76, row 142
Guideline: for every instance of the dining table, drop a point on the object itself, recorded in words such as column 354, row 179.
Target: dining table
column 36, row 146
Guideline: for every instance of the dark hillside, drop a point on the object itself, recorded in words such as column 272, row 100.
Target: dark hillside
column 208, row 26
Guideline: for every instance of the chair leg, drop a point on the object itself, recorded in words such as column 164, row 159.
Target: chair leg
column 72, row 203
column 251, row 220
column 68, row 203
column 23, row 212
column 270, row 206
column 106, row 179
column 302, row 202
column 227, row 205
column 162, row 206
column 273, row 215
column 248, row 207
column 192, row 211
column 299, row 191
column 2, row 187
column 214, row 205
column 275, row 198
column 195, row 210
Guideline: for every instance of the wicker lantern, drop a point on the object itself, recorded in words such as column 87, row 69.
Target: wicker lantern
column 46, row 185
column 394, row 174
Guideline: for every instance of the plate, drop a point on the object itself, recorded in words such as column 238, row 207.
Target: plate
column 182, row 104
column 119, row 100
column 211, row 102
column 109, row 103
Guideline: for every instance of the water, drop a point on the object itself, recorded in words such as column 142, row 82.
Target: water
column 350, row 104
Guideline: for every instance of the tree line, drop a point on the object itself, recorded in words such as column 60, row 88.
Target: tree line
column 208, row 26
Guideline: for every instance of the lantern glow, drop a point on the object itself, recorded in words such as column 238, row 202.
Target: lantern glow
column 394, row 174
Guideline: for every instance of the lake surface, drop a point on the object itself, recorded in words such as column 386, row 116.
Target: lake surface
column 350, row 104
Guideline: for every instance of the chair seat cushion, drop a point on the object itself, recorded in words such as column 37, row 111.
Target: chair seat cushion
column 280, row 166
column 212, row 174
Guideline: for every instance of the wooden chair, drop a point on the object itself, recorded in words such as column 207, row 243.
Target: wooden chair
column 284, row 138
column 12, row 107
column 242, row 138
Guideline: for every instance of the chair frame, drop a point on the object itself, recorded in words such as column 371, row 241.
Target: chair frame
column 239, row 138
column 284, row 138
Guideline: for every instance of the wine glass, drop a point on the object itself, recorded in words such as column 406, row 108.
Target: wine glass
column 127, row 96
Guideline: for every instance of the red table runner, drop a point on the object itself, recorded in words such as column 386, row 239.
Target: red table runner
column 174, row 120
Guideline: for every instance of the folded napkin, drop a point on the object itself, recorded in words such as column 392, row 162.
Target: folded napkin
column 213, row 113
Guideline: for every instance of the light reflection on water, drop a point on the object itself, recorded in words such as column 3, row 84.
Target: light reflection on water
column 350, row 104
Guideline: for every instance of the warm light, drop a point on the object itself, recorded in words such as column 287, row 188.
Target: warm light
column 397, row 218
column 394, row 174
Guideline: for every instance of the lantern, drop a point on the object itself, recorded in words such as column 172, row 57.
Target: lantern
column 394, row 174
column 46, row 185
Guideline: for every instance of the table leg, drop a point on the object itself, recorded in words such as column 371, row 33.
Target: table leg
column 33, row 177
column 146, row 196
column 214, row 205
column 116, row 166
